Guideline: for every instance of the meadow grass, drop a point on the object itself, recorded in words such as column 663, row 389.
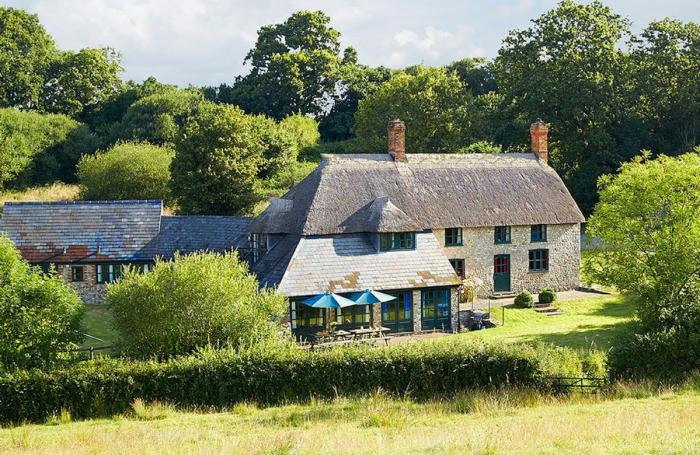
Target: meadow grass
column 48, row 193
column 589, row 323
column 505, row 421
column 98, row 322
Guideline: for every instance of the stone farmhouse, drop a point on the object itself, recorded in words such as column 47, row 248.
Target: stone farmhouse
column 408, row 225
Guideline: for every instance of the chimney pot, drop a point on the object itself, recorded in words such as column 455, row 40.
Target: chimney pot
column 396, row 135
column 538, row 136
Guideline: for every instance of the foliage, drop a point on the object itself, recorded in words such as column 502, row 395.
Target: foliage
column 39, row 313
column 294, row 67
column 481, row 147
column 356, row 82
column 264, row 375
column 26, row 52
column 82, row 80
column 648, row 221
column 279, row 145
column 524, row 300
column 129, row 170
column 476, row 74
column 304, row 129
column 432, row 103
column 567, row 69
column 49, row 193
column 547, row 296
column 666, row 354
column 157, row 118
column 217, row 160
column 191, row 302
column 37, row 148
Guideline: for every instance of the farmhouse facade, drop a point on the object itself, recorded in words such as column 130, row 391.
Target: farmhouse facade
column 414, row 226
column 410, row 225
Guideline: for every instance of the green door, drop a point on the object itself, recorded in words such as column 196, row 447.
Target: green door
column 435, row 309
column 501, row 273
column 397, row 314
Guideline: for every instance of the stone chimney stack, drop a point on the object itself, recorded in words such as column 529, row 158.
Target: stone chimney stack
column 538, row 135
column 396, row 134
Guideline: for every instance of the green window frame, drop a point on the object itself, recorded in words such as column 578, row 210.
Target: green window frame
column 538, row 233
column 397, row 315
column 304, row 317
column 453, row 237
column 538, row 260
column 258, row 246
column 435, row 309
column 353, row 316
column 392, row 241
column 501, row 235
column 108, row 273
column 458, row 265
column 77, row 273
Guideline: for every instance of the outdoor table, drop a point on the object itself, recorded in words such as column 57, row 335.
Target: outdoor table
column 362, row 333
column 340, row 334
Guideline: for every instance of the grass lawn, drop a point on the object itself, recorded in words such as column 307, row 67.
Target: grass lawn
column 97, row 322
column 590, row 323
column 49, row 193
column 666, row 423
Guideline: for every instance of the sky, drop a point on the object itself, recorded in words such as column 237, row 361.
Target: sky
column 204, row 42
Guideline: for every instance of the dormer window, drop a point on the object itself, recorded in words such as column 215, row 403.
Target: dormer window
column 453, row 237
column 258, row 246
column 391, row 241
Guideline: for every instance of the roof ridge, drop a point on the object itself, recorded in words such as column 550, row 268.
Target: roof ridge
column 120, row 202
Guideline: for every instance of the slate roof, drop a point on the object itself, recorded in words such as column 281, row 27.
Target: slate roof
column 426, row 191
column 271, row 268
column 98, row 231
column 348, row 263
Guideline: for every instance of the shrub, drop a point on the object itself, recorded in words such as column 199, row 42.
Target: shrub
column 39, row 314
column 524, row 300
column 547, row 296
column 303, row 128
column 191, row 302
column 127, row 171
column 269, row 376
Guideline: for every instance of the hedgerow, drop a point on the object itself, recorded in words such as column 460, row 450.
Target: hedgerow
column 266, row 376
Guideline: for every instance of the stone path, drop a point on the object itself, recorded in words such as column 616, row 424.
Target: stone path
column 561, row 296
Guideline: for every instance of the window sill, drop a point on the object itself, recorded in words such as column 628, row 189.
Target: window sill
column 452, row 245
column 538, row 271
column 538, row 241
column 502, row 243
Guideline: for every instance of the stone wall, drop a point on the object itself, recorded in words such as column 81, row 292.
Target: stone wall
column 478, row 250
column 88, row 289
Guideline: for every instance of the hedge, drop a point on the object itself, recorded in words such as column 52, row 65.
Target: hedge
column 224, row 378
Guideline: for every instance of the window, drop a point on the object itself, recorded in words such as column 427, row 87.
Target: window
column 108, row 273
column 397, row 315
column 45, row 267
column 501, row 234
column 539, row 260
column 77, row 273
column 357, row 315
column 302, row 316
column 538, row 233
column 397, row 241
column 453, row 237
column 458, row 265
column 145, row 268
column 258, row 246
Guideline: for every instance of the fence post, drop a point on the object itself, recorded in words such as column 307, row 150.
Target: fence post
column 92, row 353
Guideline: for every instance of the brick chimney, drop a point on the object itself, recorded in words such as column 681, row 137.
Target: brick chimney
column 538, row 135
column 396, row 135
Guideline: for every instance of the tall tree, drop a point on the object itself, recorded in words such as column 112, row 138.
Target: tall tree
column 566, row 68
column 26, row 53
column 294, row 67
column 432, row 102
column 476, row 74
column 666, row 58
column 82, row 80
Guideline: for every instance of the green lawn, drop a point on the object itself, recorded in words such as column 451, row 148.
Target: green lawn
column 97, row 322
column 478, row 423
column 590, row 323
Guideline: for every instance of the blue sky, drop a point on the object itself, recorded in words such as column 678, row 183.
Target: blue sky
column 204, row 41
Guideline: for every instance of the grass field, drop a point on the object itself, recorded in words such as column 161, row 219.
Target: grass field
column 49, row 193
column 97, row 322
column 497, row 423
column 590, row 323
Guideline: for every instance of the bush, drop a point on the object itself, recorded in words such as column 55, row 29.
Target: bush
column 547, row 296
column 40, row 148
column 270, row 376
column 128, row 170
column 39, row 314
column 303, row 128
column 191, row 302
column 666, row 355
column 524, row 300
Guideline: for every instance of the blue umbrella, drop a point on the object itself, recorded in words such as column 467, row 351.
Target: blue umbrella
column 368, row 297
column 327, row 300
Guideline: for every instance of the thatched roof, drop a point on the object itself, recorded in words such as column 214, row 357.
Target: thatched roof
column 370, row 193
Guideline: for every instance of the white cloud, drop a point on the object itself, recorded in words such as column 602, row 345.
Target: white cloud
column 433, row 46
